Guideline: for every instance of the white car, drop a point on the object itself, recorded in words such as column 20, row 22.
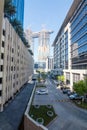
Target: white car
column 42, row 91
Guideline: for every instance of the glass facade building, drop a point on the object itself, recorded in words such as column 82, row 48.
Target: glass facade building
column 19, row 4
column 70, row 44
column 79, row 37
column 66, row 50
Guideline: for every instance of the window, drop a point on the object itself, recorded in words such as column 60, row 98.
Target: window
column 1, row 68
column 11, row 68
column 14, row 76
column 3, row 43
column 0, row 80
column 3, row 32
column 17, row 82
column 0, row 92
column 2, row 56
column 12, row 50
column 12, row 59
column 14, row 68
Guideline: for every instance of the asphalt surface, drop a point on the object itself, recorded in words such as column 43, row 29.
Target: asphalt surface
column 70, row 117
column 11, row 117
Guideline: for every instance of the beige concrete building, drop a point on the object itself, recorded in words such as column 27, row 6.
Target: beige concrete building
column 49, row 64
column 16, row 62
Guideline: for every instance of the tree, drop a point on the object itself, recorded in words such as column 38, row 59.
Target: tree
column 9, row 9
column 80, row 87
column 15, row 23
column 85, row 79
column 61, row 78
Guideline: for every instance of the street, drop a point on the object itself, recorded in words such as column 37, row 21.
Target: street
column 69, row 116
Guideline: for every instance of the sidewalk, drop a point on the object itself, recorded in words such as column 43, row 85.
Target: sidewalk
column 10, row 119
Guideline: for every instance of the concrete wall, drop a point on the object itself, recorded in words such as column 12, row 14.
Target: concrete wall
column 1, row 21
column 1, row 16
column 17, row 62
column 29, row 125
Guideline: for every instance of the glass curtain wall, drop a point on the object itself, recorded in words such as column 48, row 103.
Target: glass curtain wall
column 79, row 37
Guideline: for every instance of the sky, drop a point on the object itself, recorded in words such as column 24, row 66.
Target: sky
column 48, row 13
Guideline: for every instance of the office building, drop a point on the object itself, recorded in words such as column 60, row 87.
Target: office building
column 19, row 4
column 49, row 63
column 70, row 44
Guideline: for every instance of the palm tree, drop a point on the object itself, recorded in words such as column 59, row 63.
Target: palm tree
column 9, row 9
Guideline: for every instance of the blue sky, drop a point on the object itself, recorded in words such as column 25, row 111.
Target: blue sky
column 50, row 13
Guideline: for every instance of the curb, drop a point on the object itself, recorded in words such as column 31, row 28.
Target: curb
column 52, row 121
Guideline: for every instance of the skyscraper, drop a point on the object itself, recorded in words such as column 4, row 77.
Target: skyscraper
column 19, row 4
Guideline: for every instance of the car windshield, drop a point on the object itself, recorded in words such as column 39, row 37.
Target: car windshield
column 42, row 90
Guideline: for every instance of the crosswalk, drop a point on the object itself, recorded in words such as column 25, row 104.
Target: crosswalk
column 62, row 100
column 58, row 100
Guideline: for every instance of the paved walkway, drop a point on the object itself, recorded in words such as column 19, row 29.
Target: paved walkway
column 13, row 113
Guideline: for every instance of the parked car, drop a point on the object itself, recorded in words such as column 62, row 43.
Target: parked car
column 62, row 87
column 65, row 91
column 42, row 91
column 75, row 96
column 70, row 93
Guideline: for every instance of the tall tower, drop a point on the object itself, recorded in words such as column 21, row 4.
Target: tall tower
column 44, row 45
column 19, row 4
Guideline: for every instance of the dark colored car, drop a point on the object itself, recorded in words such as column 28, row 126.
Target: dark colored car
column 65, row 91
column 75, row 96
column 70, row 93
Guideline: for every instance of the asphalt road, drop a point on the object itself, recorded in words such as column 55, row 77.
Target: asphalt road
column 70, row 117
column 11, row 117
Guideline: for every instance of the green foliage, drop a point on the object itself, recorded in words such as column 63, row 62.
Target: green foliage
column 39, row 79
column 61, row 78
column 9, row 9
column 37, row 71
column 80, row 87
column 43, row 75
column 82, row 105
column 42, row 112
column 85, row 79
